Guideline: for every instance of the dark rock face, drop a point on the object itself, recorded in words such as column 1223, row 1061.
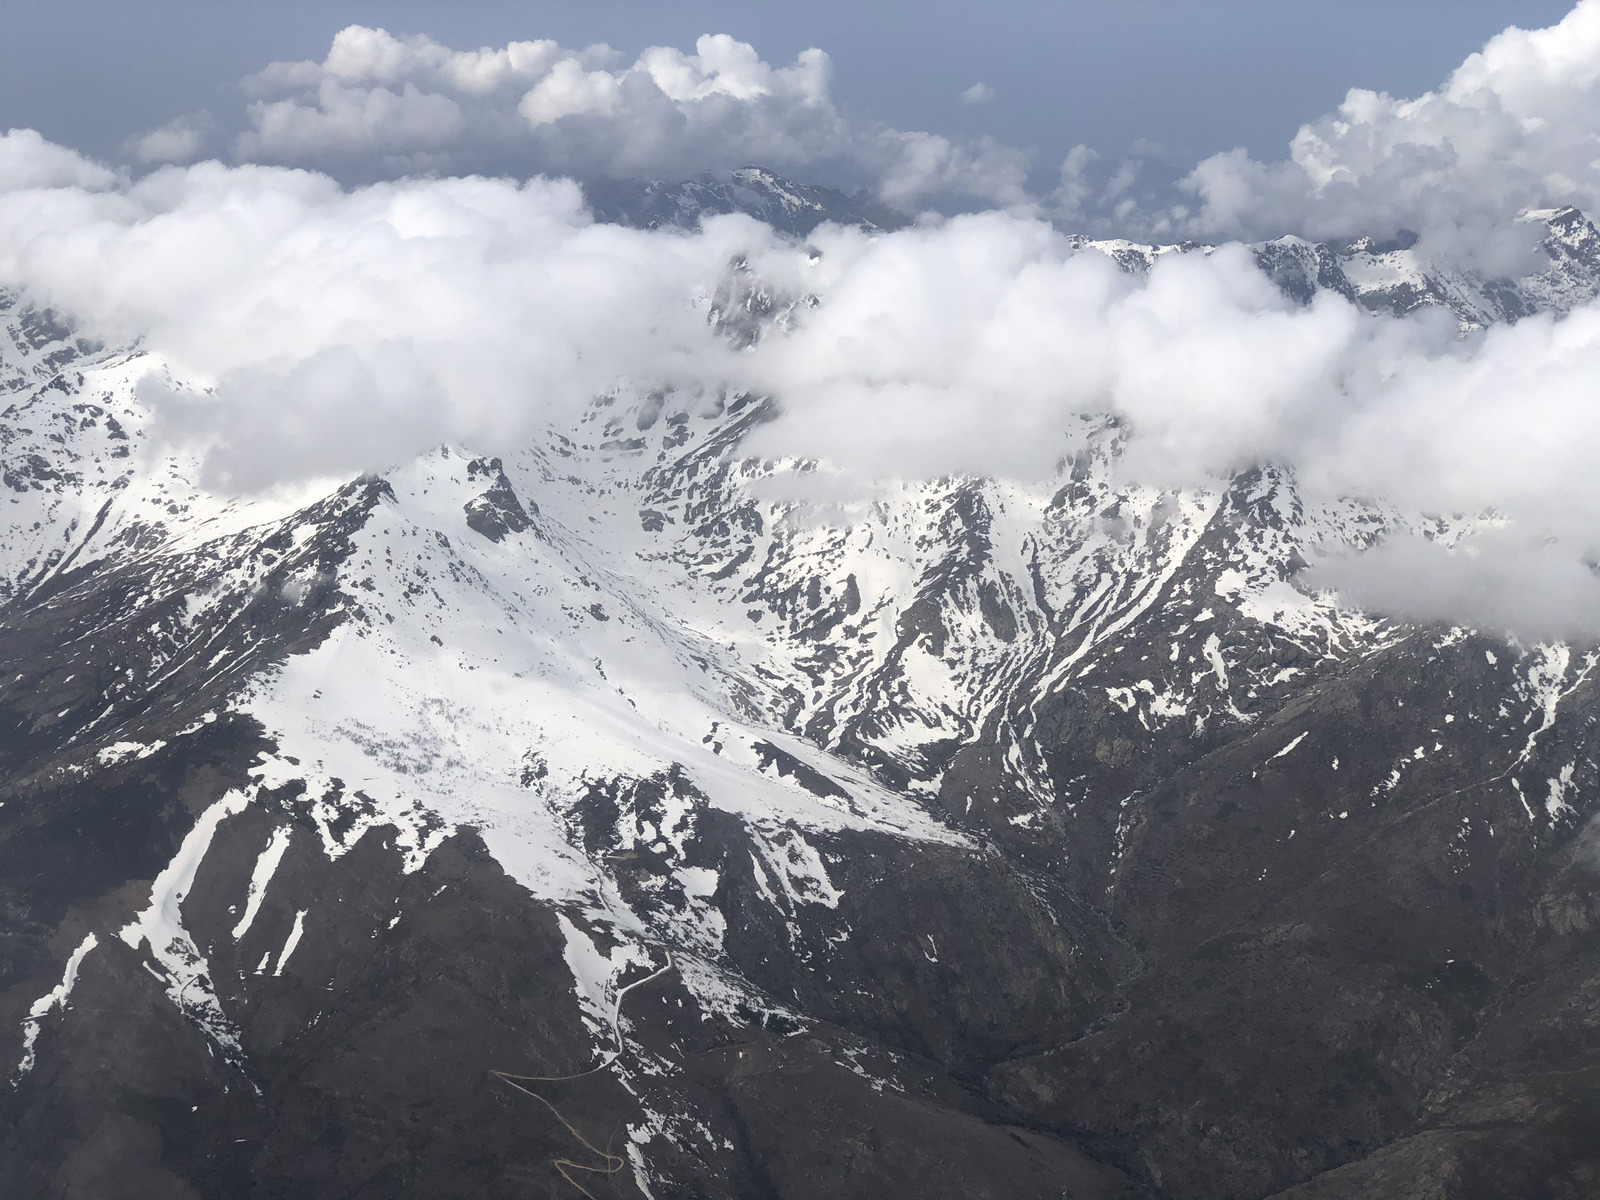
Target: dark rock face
column 1302, row 270
column 985, row 845
column 497, row 511
column 1351, row 945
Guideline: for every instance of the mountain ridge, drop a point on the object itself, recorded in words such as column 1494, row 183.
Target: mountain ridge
column 1388, row 278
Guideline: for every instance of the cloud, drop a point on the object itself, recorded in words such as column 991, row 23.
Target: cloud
column 323, row 331
column 1133, row 194
column 1492, row 580
column 180, row 140
column 985, row 345
column 320, row 329
column 380, row 106
column 1512, row 128
column 28, row 161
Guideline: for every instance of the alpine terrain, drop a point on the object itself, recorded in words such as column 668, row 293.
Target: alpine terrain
column 596, row 819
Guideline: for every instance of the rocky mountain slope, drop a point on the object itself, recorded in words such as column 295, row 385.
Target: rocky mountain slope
column 597, row 820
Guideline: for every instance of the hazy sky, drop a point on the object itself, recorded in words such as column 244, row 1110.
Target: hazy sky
column 1196, row 76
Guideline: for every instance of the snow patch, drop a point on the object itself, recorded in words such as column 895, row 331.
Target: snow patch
column 292, row 942
column 1295, row 743
column 179, row 965
column 56, row 997
column 266, row 867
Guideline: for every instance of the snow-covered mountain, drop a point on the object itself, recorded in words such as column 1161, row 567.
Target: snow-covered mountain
column 1393, row 278
column 792, row 208
column 973, row 840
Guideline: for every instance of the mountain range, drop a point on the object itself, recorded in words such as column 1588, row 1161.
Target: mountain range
column 599, row 819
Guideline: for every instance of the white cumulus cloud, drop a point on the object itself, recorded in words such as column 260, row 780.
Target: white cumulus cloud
column 379, row 105
column 1516, row 126
column 27, row 160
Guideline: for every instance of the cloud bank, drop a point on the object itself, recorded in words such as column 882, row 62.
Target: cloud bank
column 339, row 330
column 1511, row 129
column 380, row 106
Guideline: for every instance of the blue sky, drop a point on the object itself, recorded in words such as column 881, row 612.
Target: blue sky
column 1196, row 77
